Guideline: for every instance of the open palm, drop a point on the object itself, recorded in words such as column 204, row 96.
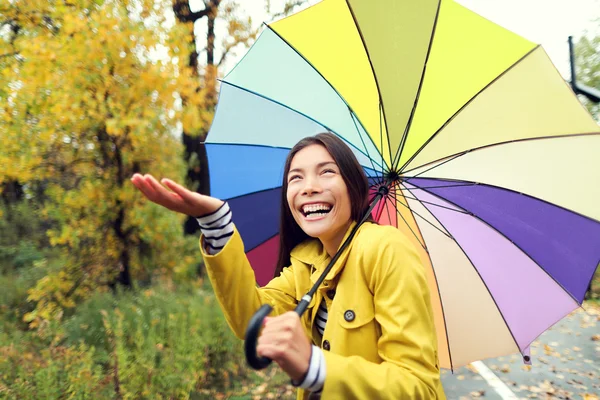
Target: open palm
column 178, row 198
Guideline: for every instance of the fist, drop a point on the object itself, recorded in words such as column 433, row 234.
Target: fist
column 284, row 341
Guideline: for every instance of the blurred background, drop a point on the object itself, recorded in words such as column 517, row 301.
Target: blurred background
column 102, row 295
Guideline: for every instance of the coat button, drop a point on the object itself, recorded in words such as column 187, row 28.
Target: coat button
column 349, row 315
column 331, row 294
column 326, row 345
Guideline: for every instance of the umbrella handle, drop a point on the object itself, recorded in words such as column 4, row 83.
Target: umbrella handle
column 256, row 322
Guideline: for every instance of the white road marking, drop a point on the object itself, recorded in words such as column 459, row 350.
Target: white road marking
column 500, row 387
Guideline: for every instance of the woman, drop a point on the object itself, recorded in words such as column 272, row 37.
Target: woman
column 368, row 332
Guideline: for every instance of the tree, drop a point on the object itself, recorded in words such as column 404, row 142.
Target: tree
column 587, row 60
column 89, row 95
column 240, row 34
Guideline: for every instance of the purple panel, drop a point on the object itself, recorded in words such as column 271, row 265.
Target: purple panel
column 565, row 244
column 527, row 297
column 256, row 216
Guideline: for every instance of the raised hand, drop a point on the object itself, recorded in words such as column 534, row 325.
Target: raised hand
column 178, row 198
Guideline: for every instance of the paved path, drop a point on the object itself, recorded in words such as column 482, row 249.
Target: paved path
column 566, row 365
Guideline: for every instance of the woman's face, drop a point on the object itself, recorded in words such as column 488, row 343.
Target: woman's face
column 318, row 197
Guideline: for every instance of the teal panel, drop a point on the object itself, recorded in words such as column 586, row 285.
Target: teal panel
column 276, row 71
column 246, row 118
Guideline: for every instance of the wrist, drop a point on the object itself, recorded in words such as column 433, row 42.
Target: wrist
column 300, row 377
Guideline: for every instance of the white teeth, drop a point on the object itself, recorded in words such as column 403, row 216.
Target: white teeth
column 315, row 208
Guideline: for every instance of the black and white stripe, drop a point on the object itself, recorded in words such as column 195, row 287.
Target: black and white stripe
column 321, row 319
column 315, row 376
column 217, row 228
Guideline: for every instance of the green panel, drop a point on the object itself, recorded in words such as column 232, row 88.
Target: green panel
column 397, row 36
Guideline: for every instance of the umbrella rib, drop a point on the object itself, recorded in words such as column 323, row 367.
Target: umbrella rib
column 434, row 166
column 422, row 243
column 444, row 186
column 387, row 210
column 486, row 287
column 423, row 218
column 469, row 183
column 321, row 75
column 435, row 276
column 416, row 101
column 454, row 156
column 362, row 39
column 264, row 241
column 363, row 142
column 296, row 111
column 463, row 107
column 501, row 234
column 251, row 193
column 436, row 205
column 380, row 109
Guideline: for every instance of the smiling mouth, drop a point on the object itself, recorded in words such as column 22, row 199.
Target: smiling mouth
column 316, row 210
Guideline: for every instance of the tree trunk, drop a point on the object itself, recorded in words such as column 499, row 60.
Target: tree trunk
column 194, row 151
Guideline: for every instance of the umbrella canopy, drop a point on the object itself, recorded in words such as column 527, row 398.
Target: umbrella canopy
column 495, row 167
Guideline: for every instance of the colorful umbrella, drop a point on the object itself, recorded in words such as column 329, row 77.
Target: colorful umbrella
column 494, row 163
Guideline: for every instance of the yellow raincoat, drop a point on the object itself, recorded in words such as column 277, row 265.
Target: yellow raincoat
column 379, row 341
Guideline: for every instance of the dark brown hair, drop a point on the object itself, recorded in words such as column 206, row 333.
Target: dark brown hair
column 290, row 233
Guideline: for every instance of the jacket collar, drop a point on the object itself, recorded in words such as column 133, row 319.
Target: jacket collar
column 312, row 253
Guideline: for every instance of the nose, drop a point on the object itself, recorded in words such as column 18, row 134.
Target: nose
column 311, row 186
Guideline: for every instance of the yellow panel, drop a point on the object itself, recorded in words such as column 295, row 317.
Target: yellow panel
column 408, row 225
column 530, row 100
column 563, row 170
column 326, row 36
column 467, row 53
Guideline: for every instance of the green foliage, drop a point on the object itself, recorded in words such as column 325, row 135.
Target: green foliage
column 30, row 369
column 159, row 343
column 23, row 235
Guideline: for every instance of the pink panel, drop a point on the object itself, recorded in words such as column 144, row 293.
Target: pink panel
column 389, row 216
column 264, row 259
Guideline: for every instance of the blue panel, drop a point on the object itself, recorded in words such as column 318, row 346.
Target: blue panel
column 236, row 170
column 256, row 216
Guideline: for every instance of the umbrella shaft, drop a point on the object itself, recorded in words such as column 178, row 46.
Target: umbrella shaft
column 303, row 304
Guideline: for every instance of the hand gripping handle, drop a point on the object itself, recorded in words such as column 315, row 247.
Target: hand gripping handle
column 256, row 322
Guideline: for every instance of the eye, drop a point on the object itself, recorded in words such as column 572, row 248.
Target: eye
column 328, row 171
column 293, row 177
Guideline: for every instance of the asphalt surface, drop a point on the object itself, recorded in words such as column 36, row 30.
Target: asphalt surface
column 565, row 365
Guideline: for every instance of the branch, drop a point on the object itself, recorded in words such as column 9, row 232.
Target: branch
column 182, row 11
column 289, row 7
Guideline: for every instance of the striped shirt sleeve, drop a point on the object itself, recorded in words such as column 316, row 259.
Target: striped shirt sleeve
column 217, row 228
column 315, row 377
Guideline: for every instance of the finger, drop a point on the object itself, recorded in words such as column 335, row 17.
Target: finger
column 162, row 195
column 139, row 182
column 184, row 193
column 287, row 321
column 149, row 187
column 272, row 351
